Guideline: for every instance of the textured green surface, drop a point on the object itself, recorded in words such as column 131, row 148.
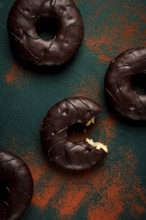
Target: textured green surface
column 116, row 191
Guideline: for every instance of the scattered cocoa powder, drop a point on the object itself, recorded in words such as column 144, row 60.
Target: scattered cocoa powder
column 87, row 87
column 122, row 34
column 15, row 76
column 106, row 193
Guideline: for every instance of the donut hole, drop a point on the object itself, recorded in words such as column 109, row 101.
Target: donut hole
column 3, row 192
column 47, row 27
column 76, row 133
column 139, row 83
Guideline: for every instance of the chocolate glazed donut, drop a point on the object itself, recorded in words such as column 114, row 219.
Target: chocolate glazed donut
column 54, row 134
column 23, row 19
column 16, row 186
column 119, row 87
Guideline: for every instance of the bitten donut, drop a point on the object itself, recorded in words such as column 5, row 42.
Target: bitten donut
column 16, row 186
column 119, row 87
column 69, row 29
column 54, row 134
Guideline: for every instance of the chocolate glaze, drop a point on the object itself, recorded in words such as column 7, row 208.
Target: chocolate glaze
column 118, row 84
column 54, row 134
column 22, row 21
column 16, row 186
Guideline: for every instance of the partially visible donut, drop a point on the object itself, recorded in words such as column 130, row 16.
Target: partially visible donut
column 54, row 134
column 119, row 87
column 16, row 186
column 22, row 21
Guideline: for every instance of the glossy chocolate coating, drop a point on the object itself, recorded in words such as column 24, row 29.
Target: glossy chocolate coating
column 54, row 134
column 118, row 84
column 16, row 186
column 22, row 21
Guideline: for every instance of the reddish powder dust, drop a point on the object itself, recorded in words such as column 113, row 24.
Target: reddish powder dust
column 36, row 170
column 71, row 200
column 120, row 34
column 108, row 210
column 105, row 193
column 36, row 175
column 46, row 185
column 49, row 188
column 100, row 10
column 87, row 87
column 95, row 44
column 119, row 193
column 107, row 129
column 15, row 76
column 44, row 189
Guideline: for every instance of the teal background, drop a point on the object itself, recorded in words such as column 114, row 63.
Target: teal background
column 26, row 95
